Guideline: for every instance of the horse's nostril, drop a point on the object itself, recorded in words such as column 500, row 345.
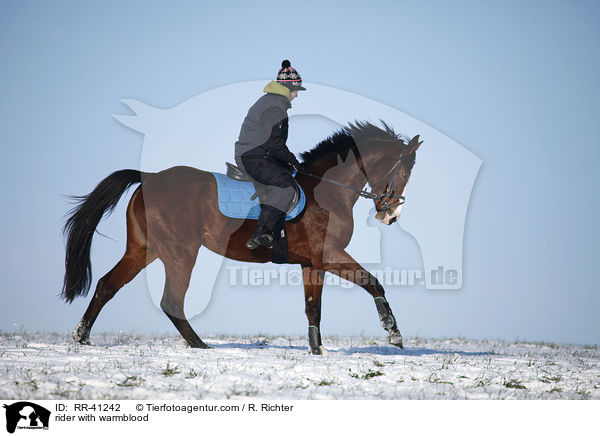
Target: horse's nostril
column 393, row 220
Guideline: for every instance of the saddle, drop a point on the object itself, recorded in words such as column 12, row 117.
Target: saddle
column 237, row 173
column 237, row 196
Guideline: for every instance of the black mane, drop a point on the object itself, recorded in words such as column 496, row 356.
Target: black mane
column 345, row 139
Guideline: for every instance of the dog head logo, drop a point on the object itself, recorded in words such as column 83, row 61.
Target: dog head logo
column 26, row 415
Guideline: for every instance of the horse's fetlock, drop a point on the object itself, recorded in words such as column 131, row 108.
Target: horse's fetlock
column 314, row 337
column 388, row 322
column 81, row 333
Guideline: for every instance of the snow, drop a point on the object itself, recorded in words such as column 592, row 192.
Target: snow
column 52, row 366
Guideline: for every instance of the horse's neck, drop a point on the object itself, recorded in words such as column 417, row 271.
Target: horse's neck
column 349, row 172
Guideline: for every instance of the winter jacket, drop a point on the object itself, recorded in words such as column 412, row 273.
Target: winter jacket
column 265, row 129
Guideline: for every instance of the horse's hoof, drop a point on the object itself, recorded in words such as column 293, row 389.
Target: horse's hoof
column 321, row 351
column 200, row 345
column 81, row 333
column 82, row 340
column 395, row 339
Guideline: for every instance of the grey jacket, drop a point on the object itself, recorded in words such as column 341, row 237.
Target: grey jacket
column 260, row 126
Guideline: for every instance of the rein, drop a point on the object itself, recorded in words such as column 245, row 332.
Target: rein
column 371, row 195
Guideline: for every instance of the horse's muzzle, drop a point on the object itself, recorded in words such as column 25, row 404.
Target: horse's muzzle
column 388, row 216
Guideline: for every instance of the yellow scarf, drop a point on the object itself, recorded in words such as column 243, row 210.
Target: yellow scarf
column 274, row 87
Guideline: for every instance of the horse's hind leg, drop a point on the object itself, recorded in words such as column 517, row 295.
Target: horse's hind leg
column 133, row 261
column 178, row 273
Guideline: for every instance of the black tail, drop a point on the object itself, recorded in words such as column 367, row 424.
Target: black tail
column 81, row 225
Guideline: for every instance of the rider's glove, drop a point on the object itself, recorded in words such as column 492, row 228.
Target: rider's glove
column 295, row 165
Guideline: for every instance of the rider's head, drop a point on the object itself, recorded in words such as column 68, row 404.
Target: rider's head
column 290, row 78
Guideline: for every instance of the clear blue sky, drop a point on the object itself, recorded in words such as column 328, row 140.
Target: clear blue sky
column 516, row 83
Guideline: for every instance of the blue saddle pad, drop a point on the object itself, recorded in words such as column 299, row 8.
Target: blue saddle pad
column 235, row 199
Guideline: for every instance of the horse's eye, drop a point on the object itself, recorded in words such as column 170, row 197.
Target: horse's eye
column 404, row 175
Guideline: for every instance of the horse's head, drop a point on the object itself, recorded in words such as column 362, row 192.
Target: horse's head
column 385, row 158
column 392, row 174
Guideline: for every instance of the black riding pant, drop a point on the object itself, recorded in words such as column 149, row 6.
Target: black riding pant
column 275, row 188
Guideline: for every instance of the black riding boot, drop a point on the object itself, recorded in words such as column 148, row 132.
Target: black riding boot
column 261, row 236
column 268, row 222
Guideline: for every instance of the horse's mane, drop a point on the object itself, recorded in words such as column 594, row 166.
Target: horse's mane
column 346, row 138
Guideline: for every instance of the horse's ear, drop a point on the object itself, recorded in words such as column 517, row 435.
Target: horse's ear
column 413, row 145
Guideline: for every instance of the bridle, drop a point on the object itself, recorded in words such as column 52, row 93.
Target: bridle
column 387, row 194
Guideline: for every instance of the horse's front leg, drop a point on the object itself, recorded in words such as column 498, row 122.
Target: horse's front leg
column 347, row 268
column 313, row 288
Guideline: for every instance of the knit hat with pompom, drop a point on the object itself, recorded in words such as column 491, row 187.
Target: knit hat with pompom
column 289, row 77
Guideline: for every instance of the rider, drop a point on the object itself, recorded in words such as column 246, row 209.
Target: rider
column 262, row 152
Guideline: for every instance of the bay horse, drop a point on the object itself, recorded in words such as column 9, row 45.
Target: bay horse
column 174, row 212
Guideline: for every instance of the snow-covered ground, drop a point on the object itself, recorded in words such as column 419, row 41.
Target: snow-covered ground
column 51, row 366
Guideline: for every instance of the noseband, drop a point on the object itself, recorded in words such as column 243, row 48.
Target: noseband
column 389, row 190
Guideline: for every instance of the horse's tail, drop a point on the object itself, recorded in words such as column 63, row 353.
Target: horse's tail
column 81, row 225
